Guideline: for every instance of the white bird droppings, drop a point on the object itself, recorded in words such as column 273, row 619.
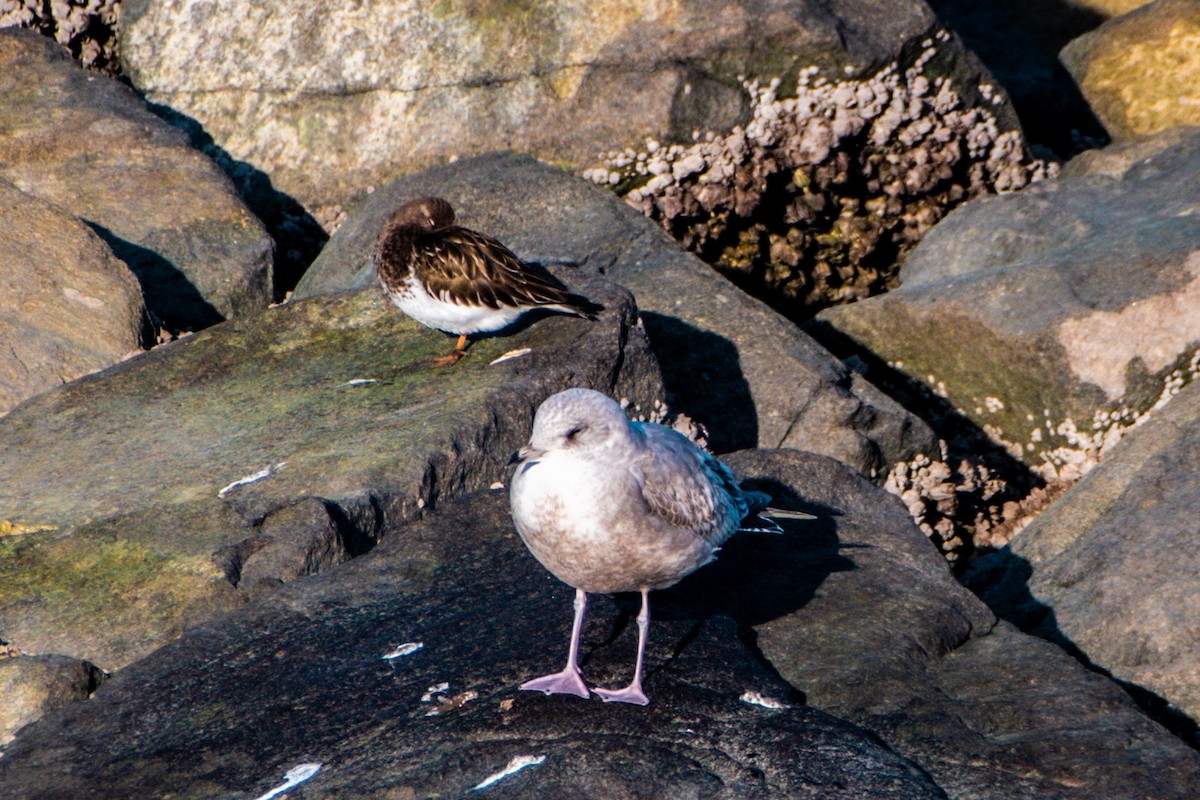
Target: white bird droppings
column 756, row 699
column 515, row 765
column 406, row 649
column 258, row 476
column 294, row 777
column 511, row 354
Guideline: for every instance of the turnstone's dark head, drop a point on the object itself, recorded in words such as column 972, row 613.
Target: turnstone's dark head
column 425, row 214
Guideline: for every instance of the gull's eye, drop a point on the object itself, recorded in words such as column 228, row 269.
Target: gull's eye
column 573, row 432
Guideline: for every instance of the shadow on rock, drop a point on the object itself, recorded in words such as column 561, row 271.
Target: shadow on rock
column 170, row 296
column 299, row 238
column 1002, row 581
column 703, row 377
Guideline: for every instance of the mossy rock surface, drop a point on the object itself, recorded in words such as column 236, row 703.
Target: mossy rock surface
column 1055, row 315
column 1139, row 70
column 144, row 492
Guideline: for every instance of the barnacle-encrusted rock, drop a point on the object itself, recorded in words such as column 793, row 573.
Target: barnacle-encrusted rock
column 330, row 99
column 87, row 28
column 68, row 306
column 1051, row 320
column 813, row 199
column 1141, row 71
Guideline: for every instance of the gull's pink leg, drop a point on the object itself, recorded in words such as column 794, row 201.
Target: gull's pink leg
column 568, row 681
column 633, row 692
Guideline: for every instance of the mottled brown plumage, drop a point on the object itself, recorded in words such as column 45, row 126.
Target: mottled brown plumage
column 458, row 280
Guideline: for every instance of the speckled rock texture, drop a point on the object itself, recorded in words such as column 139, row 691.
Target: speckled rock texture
column 330, row 99
column 34, row 685
column 865, row 618
column 1054, row 318
column 87, row 144
column 168, row 488
column 1141, row 71
column 258, row 692
column 745, row 373
column 68, row 306
column 1110, row 570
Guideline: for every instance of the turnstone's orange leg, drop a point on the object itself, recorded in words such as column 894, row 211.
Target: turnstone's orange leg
column 460, row 350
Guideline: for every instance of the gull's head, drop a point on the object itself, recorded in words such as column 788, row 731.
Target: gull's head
column 579, row 421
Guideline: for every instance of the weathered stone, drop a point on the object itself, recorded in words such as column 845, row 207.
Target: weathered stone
column 330, row 100
column 1117, row 159
column 1110, row 570
column 87, row 144
column 1055, row 317
column 865, row 619
column 730, row 363
column 87, row 28
column 31, row 686
column 1139, row 70
column 236, row 703
column 67, row 305
column 268, row 446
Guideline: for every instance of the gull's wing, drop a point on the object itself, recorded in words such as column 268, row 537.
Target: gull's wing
column 686, row 486
column 459, row 265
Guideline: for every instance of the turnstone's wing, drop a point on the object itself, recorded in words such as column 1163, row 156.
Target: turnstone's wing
column 461, row 266
column 688, row 487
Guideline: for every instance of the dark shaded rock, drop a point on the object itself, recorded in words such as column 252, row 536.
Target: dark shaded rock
column 33, row 685
column 87, row 144
column 886, row 638
column 1110, row 570
column 1019, row 41
column 729, row 362
column 271, row 445
column 1055, row 317
column 67, row 305
column 301, row 677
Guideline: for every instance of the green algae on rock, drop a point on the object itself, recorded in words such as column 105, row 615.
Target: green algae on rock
column 166, row 476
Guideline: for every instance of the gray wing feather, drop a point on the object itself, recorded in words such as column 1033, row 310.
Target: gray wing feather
column 688, row 487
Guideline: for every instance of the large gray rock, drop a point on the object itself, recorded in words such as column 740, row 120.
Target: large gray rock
column 855, row 609
column 1110, row 569
column 746, row 373
column 266, row 447
column 302, row 676
column 67, row 305
column 329, row 100
column 1055, row 317
column 87, row 144
column 864, row 617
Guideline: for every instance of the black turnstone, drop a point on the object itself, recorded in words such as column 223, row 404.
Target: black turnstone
column 458, row 280
column 609, row 505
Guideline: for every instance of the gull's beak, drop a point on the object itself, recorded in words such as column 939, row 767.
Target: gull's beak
column 524, row 454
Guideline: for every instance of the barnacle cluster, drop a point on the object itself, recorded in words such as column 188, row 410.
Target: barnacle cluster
column 816, row 198
column 87, row 28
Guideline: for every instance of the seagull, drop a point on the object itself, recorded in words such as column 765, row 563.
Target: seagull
column 608, row 505
column 458, row 280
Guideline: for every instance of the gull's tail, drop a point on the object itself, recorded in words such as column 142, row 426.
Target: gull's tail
column 761, row 517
